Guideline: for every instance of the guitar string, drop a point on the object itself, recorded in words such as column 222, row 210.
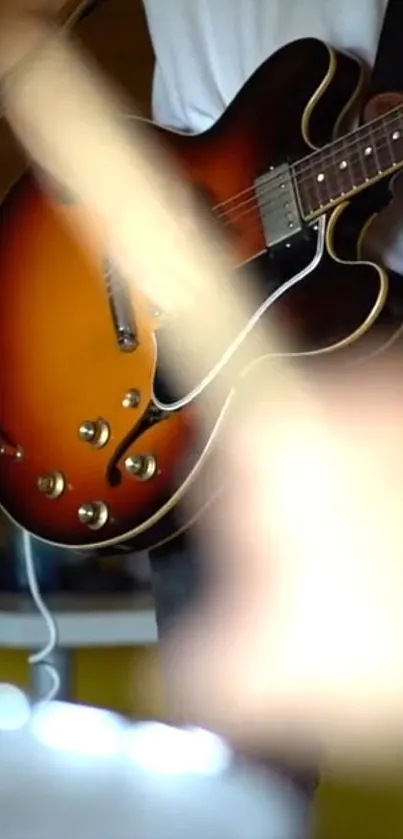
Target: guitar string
column 328, row 151
column 363, row 132
column 274, row 179
column 255, row 228
column 230, row 219
column 253, row 204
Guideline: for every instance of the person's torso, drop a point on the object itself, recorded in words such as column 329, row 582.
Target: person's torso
column 207, row 49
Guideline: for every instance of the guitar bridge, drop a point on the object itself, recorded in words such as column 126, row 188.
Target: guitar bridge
column 278, row 206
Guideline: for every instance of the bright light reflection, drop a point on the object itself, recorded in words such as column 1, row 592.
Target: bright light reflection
column 78, row 729
column 165, row 750
column 15, row 709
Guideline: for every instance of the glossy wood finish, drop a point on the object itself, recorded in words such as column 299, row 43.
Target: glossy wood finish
column 60, row 364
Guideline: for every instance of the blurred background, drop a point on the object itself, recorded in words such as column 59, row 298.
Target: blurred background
column 118, row 677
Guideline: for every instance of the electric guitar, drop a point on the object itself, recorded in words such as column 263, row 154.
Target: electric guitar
column 95, row 449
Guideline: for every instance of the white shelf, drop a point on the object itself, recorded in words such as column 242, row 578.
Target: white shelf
column 82, row 621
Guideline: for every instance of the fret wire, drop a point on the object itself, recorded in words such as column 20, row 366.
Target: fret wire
column 370, row 158
column 317, row 187
column 336, row 181
column 389, row 142
column 346, row 174
column 331, row 168
column 336, row 171
column 376, row 154
column 304, row 191
column 321, row 188
column 376, row 131
column 358, row 164
column 365, row 132
column 334, row 175
column 359, row 168
column 311, row 198
column 362, row 162
column 396, row 140
column 352, row 154
column 395, row 123
column 334, row 148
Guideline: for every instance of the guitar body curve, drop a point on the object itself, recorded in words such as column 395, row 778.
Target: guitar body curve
column 63, row 368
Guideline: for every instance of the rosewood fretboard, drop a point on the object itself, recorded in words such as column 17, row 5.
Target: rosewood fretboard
column 350, row 163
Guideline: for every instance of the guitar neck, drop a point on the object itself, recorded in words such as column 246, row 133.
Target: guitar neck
column 350, row 164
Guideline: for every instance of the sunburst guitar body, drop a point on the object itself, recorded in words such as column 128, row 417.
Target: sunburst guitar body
column 95, row 449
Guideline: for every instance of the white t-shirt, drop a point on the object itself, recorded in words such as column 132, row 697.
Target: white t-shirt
column 207, row 49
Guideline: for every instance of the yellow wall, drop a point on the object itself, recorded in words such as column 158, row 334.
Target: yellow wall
column 112, row 678
column 119, row 679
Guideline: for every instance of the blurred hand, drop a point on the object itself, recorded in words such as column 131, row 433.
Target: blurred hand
column 298, row 641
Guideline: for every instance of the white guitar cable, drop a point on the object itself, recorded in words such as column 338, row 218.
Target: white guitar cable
column 40, row 658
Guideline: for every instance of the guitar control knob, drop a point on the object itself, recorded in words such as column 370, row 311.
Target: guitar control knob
column 96, row 432
column 52, row 485
column 93, row 514
column 141, row 466
column 131, row 399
